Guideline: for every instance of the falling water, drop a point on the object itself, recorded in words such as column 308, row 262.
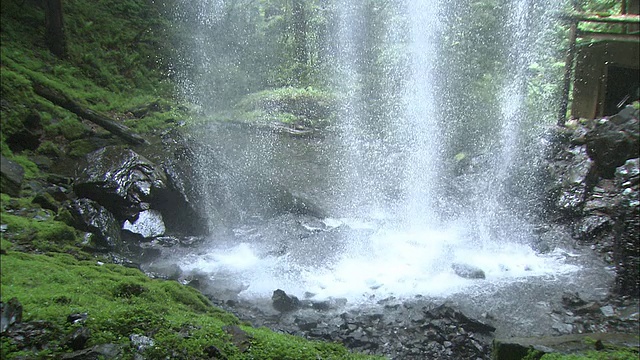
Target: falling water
column 398, row 215
column 424, row 146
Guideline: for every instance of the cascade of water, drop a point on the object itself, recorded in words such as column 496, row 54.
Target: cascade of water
column 390, row 157
column 511, row 177
column 424, row 146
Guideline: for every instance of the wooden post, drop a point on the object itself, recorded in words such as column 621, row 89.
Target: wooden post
column 568, row 71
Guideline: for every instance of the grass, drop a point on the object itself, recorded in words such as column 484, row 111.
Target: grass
column 121, row 301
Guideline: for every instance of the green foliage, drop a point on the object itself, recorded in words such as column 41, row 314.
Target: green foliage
column 39, row 232
column 122, row 301
column 626, row 354
column 601, row 8
column 305, row 107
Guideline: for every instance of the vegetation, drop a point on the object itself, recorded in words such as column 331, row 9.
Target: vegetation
column 120, row 301
column 117, row 62
column 128, row 58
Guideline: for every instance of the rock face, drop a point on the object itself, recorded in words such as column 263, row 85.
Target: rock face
column 92, row 217
column 120, row 180
column 137, row 192
column 626, row 230
column 11, row 176
column 594, row 191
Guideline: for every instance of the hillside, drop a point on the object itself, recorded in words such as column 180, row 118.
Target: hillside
column 67, row 300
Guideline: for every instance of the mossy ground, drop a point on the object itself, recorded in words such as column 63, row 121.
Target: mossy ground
column 121, row 301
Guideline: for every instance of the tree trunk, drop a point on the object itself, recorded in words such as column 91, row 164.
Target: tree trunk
column 63, row 100
column 299, row 25
column 54, row 34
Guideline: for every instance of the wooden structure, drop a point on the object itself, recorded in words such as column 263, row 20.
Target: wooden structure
column 604, row 66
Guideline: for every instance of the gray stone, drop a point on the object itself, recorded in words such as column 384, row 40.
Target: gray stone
column 11, row 177
column 468, row 271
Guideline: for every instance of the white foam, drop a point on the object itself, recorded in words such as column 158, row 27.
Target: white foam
column 388, row 263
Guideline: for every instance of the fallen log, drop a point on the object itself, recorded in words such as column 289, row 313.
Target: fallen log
column 63, row 100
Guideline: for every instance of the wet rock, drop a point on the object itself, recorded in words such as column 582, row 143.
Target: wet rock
column 468, row 271
column 103, row 352
column 588, row 228
column 148, row 224
column 88, row 215
column 240, row 338
column 626, row 231
column 610, row 144
column 283, row 302
column 11, row 177
column 571, row 171
column 10, row 313
column 120, row 180
column 182, row 205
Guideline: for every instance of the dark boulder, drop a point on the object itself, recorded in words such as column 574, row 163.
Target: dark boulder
column 610, row 144
column 283, row 302
column 88, row 215
column 128, row 184
column 120, row 180
column 11, row 177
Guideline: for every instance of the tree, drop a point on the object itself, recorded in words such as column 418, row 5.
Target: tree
column 54, row 33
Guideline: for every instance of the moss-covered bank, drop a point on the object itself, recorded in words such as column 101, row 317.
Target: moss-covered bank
column 120, row 302
column 117, row 63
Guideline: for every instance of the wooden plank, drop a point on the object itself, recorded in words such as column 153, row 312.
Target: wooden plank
column 614, row 19
column 592, row 35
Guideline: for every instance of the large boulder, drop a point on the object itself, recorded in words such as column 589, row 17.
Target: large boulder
column 132, row 188
column 88, row 215
column 120, row 180
column 610, row 144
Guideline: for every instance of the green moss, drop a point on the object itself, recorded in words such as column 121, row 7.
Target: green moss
column 79, row 148
column 625, row 354
column 181, row 321
column 307, row 107
column 40, row 232
column 49, row 148
column 31, row 170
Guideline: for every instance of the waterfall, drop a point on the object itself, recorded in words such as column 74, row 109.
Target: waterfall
column 421, row 125
column 430, row 162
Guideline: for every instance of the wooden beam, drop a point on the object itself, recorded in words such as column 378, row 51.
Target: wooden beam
column 592, row 35
column 613, row 19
